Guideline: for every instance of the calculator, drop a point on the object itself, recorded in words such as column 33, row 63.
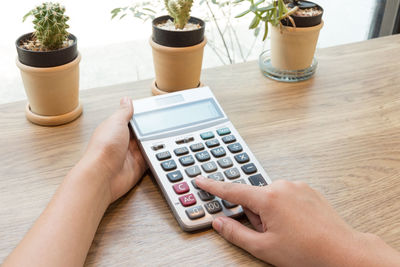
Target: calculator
column 186, row 134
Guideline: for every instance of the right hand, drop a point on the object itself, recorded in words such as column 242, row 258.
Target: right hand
column 294, row 225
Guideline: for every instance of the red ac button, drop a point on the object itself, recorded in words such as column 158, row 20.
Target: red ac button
column 187, row 200
column 181, row 188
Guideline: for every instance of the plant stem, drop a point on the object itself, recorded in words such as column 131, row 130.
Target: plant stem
column 219, row 31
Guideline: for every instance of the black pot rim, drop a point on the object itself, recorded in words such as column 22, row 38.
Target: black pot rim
column 172, row 38
column 45, row 59
column 304, row 22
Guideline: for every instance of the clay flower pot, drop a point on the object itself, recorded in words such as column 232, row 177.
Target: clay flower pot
column 177, row 57
column 293, row 48
column 51, row 81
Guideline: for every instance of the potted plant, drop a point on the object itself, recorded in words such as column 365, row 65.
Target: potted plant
column 177, row 44
column 295, row 27
column 48, row 60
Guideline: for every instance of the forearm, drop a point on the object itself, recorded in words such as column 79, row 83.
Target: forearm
column 64, row 232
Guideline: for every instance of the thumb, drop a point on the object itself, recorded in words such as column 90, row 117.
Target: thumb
column 125, row 110
column 238, row 234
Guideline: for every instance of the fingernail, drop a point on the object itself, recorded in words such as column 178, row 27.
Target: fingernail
column 200, row 178
column 217, row 224
column 125, row 100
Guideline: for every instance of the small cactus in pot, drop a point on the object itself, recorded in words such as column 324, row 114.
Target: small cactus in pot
column 48, row 60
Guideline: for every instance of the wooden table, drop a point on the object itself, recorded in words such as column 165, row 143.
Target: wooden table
column 339, row 132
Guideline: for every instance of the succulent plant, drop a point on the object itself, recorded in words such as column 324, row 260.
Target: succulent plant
column 179, row 10
column 50, row 24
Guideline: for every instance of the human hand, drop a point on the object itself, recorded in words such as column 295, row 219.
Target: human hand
column 294, row 225
column 116, row 152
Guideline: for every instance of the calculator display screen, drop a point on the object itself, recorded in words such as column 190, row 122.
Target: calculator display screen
column 175, row 117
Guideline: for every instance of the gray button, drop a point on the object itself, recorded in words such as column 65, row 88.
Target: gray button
column 242, row 158
column 228, row 139
column 212, row 143
column 209, row 166
column 225, row 162
column 186, row 160
column 218, row 152
column 195, row 212
column 217, row 176
column 228, row 204
column 232, row 173
column 234, row 148
column 205, row 196
column 168, row 165
column 193, row 171
column 223, row 131
column 175, row 176
column 202, row 156
column 194, row 184
column 181, row 151
column 163, row 155
column 197, row 147
column 213, row 207
column 249, row 168
column 257, row 180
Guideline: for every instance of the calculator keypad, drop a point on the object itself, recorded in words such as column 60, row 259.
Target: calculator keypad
column 210, row 158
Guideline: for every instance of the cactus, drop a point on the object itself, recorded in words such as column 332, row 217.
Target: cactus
column 179, row 10
column 50, row 25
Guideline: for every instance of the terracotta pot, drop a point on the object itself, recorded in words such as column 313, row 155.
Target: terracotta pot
column 293, row 48
column 52, row 91
column 177, row 68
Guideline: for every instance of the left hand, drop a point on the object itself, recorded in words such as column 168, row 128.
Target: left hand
column 118, row 155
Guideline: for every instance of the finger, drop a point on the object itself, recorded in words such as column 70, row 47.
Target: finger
column 237, row 233
column 245, row 195
column 125, row 110
column 255, row 220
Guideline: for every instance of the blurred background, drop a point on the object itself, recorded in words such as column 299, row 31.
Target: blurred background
column 116, row 50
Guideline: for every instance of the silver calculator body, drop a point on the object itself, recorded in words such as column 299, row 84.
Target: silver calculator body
column 187, row 133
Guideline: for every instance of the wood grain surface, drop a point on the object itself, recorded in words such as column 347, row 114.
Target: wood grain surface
column 339, row 132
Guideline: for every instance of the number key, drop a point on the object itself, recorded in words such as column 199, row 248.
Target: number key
column 193, row 171
column 209, row 166
column 205, row 196
column 225, row 162
column 232, row 173
column 168, row 165
column 195, row 212
column 213, row 207
column 217, row 176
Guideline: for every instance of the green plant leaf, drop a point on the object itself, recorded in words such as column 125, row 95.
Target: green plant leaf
column 265, row 31
column 26, row 16
column 243, row 13
column 254, row 23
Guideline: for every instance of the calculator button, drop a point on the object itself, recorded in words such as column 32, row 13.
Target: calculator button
column 257, row 180
column 197, row 147
column 213, row 207
column 232, row 173
column 168, row 165
column 240, row 181
column 194, row 184
column 186, row 160
column 181, row 151
column 181, row 188
column 225, row 162
column 209, row 166
column 207, row 135
column 195, row 212
column 228, row 139
column 193, row 171
column 223, row 131
column 175, row 176
column 212, row 143
column 249, row 168
column 217, row 176
column 157, row 147
column 228, row 204
column 187, row 200
column 163, row 155
column 242, row 158
column 234, row 148
column 202, row 156
column 180, row 141
column 188, row 140
column 218, row 152
column 205, row 196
